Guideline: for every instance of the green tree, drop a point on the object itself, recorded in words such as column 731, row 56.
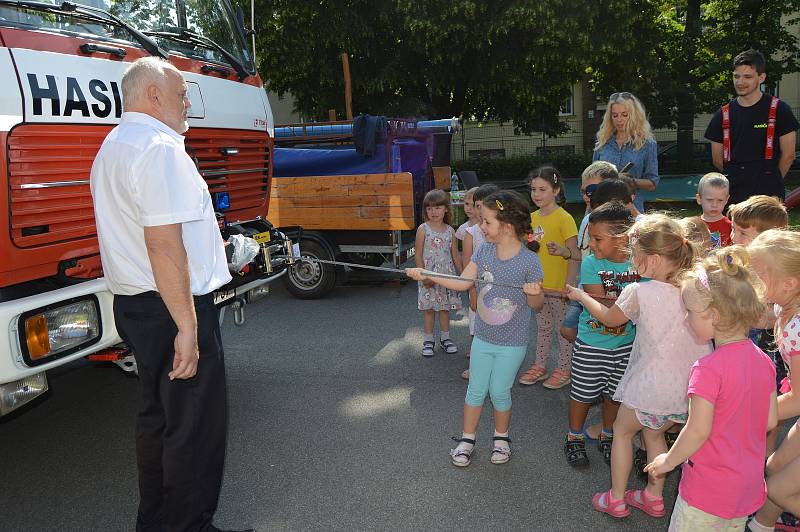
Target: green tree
column 685, row 68
column 506, row 60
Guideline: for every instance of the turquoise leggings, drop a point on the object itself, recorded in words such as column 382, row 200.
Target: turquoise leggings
column 492, row 370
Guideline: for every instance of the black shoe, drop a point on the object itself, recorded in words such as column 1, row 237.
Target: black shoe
column 604, row 446
column 575, row 452
column 639, row 461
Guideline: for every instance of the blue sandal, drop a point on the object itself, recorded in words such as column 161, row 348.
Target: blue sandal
column 588, row 438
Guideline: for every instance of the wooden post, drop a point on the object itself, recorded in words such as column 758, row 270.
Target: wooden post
column 348, row 91
column 331, row 115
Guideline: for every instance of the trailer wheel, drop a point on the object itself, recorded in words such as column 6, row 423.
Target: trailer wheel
column 311, row 280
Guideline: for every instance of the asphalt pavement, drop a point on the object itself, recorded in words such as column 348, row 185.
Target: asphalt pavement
column 336, row 423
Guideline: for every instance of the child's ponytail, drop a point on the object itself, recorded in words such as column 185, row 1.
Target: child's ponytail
column 685, row 257
column 723, row 282
column 731, row 259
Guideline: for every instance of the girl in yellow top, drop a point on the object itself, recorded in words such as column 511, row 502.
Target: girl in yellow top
column 551, row 224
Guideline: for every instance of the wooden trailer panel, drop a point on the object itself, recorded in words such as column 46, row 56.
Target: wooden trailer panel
column 369, row 201
column 441, row 177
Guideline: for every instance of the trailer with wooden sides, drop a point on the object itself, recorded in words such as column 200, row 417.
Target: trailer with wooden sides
column 343, row 204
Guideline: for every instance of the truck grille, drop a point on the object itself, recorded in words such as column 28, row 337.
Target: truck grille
column 49, row 169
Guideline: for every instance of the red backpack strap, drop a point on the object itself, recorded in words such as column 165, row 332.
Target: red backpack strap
column 773, row 111
column 726, row 133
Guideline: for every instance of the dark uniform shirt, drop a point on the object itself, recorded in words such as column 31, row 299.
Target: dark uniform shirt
column 748, row 171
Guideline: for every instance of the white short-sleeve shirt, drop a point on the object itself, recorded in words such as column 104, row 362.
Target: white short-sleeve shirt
column 143, row 177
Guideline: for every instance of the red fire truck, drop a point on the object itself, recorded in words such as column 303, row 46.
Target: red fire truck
column 61, row 63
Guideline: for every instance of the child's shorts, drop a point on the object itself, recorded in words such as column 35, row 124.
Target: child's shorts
column 657, row 421
column 687, row 518
column 596, row 371
column 574, row 310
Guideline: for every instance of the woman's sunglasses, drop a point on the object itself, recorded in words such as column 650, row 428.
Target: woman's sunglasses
column 623, row 95
column 589, row 190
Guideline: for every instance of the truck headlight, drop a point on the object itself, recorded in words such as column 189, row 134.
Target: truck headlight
column 58, row 330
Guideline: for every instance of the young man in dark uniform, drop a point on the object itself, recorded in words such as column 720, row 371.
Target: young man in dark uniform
column 753, row 136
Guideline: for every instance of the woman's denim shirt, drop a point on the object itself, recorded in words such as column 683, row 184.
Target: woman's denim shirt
column 645, row 161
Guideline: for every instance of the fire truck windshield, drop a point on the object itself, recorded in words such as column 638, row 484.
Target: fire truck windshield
column 217, row 36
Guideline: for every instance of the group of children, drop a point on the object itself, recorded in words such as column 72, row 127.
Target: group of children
column 657, row 320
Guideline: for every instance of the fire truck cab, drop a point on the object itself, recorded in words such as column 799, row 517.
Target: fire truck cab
column 61, row 63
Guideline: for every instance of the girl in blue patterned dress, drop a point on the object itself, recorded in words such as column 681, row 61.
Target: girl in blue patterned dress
column 437, row 251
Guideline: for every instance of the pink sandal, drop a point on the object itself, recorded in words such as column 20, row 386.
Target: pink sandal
column 652, row 506
column 605, row 502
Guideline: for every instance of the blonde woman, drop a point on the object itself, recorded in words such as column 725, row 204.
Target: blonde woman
column 625, row 137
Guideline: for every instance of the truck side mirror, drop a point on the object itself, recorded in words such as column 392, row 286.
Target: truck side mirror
column 240, row 21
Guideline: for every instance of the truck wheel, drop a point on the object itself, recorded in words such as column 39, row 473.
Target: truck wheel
column 311, row 280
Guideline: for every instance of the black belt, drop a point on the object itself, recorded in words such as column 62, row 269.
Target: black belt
column 152, row 294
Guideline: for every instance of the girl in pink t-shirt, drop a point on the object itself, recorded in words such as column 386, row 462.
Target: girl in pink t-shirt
column 653, row 389
column 732, row 401
column 776, row 259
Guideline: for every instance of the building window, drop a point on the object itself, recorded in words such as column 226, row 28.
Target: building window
column 567, row 108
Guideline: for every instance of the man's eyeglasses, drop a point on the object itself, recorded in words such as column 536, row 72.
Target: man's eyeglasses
column 589, row 190
column 623, row 95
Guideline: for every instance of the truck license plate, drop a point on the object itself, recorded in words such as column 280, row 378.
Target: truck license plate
column 220, row 296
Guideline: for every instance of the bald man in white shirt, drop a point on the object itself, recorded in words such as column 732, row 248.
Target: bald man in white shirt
column 163, row 257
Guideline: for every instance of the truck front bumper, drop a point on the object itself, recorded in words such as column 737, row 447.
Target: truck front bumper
column 47, row 330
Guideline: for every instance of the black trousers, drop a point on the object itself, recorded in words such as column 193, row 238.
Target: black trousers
column 757, row 177
column 182, row 424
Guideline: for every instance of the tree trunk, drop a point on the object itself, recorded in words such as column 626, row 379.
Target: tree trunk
column 590, row 123
column 686, row 82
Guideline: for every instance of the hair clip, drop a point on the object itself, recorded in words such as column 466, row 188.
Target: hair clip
column 702, row 275
column 499, row 205
column 555, row 179
column 729, row 259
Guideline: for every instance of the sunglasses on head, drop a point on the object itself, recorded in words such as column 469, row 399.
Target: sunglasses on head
column 589, row 190
column 623, row 95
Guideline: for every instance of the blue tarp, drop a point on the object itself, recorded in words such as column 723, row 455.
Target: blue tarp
column 298, row 162
column 347, row 129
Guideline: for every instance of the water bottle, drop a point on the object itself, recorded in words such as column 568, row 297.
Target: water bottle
column 455, row 185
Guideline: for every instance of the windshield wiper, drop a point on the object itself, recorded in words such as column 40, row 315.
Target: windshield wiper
column 188, row 36
column 94, row 14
